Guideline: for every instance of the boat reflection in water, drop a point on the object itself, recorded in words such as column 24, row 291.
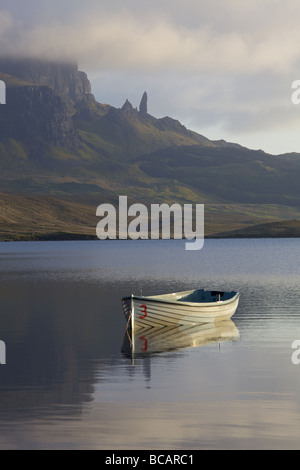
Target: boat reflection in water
column 143, row 342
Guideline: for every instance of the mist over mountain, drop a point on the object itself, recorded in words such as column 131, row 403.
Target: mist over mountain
column 56, row 140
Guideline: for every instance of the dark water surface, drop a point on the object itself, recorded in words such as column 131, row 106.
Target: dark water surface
column 67, row 385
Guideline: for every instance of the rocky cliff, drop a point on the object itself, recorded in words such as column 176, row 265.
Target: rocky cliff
column 36, row 115
column 64, row 78
column 41, row 100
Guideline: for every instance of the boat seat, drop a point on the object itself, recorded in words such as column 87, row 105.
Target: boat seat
column 215, row 293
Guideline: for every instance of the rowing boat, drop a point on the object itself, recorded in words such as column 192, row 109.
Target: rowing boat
column 180, row 308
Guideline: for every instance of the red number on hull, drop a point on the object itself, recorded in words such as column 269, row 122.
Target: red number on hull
column 144, row 311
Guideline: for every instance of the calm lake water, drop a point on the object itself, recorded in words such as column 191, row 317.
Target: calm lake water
column 67, row 385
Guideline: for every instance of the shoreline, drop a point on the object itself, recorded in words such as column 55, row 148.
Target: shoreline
column 84, row 237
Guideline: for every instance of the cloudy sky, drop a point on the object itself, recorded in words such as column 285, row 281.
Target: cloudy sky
column 224, row 68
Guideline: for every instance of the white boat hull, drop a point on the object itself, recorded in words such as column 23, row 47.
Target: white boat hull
column 157, row 311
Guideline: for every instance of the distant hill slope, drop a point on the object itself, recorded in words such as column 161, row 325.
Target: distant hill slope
column 42, row 218
column 230, row 173
column 57, row 140
column 283, row 229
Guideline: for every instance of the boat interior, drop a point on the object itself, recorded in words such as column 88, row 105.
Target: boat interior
column 197, row 296
column 201, row 295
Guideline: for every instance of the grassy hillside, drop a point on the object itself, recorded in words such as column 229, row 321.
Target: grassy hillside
column 34, row 218
column 232, row 174
column 52, row 218
column 289, row 229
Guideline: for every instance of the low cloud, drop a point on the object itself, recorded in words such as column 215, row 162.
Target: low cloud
column 207, row 62
column 125, row 41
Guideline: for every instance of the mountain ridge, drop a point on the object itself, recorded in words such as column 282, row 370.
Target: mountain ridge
column 57, row 140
